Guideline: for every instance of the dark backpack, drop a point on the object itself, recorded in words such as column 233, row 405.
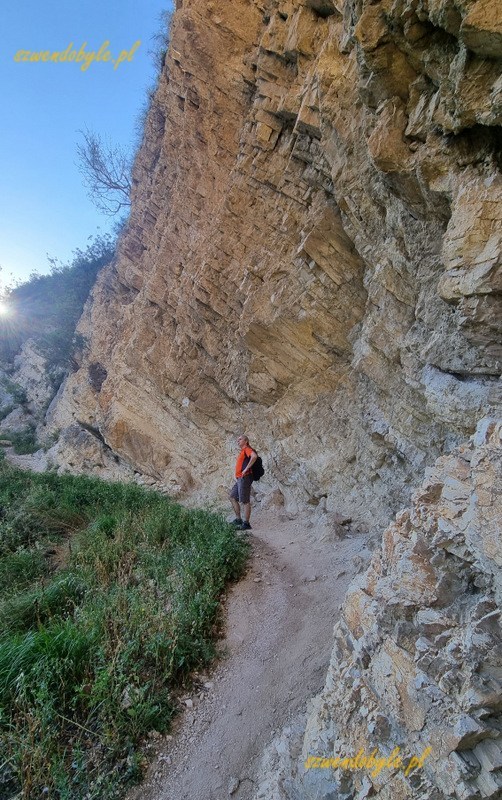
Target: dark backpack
column 257, row 470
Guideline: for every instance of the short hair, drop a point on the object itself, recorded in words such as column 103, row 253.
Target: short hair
column 243, row 436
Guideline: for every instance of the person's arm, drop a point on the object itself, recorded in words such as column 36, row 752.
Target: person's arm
column 250, row 463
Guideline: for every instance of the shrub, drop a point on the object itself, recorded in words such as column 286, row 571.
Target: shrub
column 16, row 391
column 24, row 441
column 5, row 411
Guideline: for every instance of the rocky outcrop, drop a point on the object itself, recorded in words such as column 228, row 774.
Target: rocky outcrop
column 417, row 654
column 25, row 391
column 30, row 373
column 313, row 253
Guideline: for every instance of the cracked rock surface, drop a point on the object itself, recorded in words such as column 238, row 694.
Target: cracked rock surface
column 313, row 254
column 417, row 652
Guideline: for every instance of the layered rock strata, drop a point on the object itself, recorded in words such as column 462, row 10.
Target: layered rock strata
column 313, row 253
column 416, row 664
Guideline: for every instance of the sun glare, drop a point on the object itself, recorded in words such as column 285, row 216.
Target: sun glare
column 4, row 309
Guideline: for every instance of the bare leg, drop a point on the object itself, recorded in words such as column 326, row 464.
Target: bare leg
column 236, row 507
column 247, row 511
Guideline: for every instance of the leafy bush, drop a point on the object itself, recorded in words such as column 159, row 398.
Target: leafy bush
column 5, row 411
column 91, row 655
column 24, row 441
column 16, row 391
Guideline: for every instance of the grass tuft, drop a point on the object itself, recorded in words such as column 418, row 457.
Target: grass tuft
column 93, row 653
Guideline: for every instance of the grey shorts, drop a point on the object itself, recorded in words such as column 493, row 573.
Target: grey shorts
column 241, row 490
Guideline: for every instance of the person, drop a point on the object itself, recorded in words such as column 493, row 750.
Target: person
column 241, row 490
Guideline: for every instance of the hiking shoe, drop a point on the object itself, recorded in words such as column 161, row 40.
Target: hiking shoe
column 237, row 522
column 245, row 526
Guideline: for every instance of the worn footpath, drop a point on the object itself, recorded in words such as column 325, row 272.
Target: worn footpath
column 279, row 621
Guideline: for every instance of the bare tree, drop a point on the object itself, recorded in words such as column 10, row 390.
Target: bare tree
column 161, row 39
column 106, row 170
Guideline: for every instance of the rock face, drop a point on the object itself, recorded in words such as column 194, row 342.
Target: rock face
column 26, row 390
column 313, row 254
column 30, row 374
column 417, row 655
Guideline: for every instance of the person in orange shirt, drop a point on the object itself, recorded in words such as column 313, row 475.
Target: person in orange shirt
column 241, row 490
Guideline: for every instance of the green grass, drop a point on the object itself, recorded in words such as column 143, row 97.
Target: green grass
column 92, row 654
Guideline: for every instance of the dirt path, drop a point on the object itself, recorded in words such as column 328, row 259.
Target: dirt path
column 279, row 625
column 279, row 637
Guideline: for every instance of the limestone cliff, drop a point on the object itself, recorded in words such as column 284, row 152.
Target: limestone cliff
column 314, row 257
column 417, row 655
column 313, row 253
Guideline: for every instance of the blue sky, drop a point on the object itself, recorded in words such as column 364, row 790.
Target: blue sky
column 44, row 208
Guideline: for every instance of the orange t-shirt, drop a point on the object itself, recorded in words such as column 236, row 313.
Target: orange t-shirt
column 245, row 452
